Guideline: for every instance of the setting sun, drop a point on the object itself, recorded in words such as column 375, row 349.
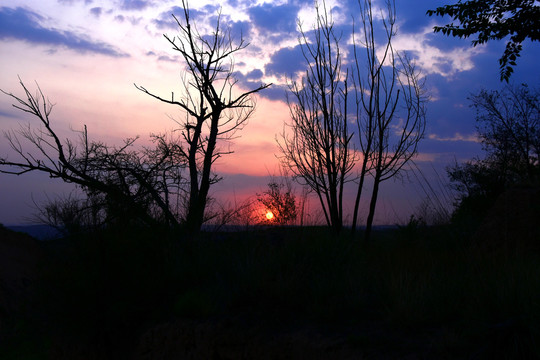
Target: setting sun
column 269, row 215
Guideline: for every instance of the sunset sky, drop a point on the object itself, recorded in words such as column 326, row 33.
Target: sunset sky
column 87, row 54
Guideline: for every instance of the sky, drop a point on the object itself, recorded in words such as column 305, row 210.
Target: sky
column 86, row 56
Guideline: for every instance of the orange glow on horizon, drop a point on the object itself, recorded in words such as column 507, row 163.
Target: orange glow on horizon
column 269, row 215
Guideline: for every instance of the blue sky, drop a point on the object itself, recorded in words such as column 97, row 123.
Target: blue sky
column 86, row 55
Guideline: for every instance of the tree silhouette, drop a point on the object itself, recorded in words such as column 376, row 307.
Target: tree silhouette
column 318, row 149
column 509, row 129
column 146, row 185
column 494, row 20
column 391, row 99
column 280, row 200
column 213, row 111
column 133, row 186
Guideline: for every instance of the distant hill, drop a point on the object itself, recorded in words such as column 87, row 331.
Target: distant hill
column 40, row 232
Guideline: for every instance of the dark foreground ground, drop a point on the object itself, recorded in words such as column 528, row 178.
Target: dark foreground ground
column 411, row 293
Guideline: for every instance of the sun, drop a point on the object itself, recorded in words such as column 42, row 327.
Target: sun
column 269, row 215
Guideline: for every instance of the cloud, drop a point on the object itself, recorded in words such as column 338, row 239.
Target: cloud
column 96, row 11
column 165, row 20
column 413, row 18
column 286, row 62
column 22, row 24
column 455, row 137
column 14, row 115
column 162, row 57
column 134, row 4
column 239, row 28
column 274, row 19
column 254, row 74
column 252, row 80
column 426, row 157
column 71, row 2
column 167, row 58
column 434, row 58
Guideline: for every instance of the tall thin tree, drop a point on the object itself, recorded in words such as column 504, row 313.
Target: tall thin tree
column 318, row 148
column 393, row 100
column 214, row 112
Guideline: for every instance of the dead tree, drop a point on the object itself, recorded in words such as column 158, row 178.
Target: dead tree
column 317, row 147
column 214, row 112
column 131, row 185
column 393, row 100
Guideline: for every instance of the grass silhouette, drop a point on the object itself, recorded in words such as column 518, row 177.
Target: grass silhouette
column 429, row 294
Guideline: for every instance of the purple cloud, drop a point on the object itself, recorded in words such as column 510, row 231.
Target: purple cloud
column 71, row 2
column 96, row 11
column 274, row 19
column 254, row 74
column 166, row 21
column 286, row 62
column 22, row 24
column 134, row 4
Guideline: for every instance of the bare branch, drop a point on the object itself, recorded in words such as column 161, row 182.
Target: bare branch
column 213, row 112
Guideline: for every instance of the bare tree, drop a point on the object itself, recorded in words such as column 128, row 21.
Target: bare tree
column 318, row 148
column 214, row 112
column 133, row 186
column 280, row 201
column 70, row 215
column 392, row 96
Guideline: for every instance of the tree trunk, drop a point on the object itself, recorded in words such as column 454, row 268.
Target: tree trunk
column 359, row 195
column 372, row 205
column 194, row 218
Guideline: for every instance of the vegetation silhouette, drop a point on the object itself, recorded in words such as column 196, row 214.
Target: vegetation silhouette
column 387, row 104
column 214, row 113
column 509, row 129
column 280, row 203
column 316, row 146
column 134, row 289
column 136, row 294
column 492, row 20
column 125, row 186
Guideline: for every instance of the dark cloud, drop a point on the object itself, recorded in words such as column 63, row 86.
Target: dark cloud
column 161, row 57
column 23, row 24
column 286, row 62
column 249, row 81
column 135, row 4
column 445, row 43
column 13, row 114
column 71, row 2
column 240, row 28
column 233, row 3
column 274, row 92
column 412, row 18
column 210, row 9
column 241, row 183
column 209, row 13
column 165, row 20
column 96, row 11
column 447, row 143
column 274, row 19
column 166, row 58
column 254, row 74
